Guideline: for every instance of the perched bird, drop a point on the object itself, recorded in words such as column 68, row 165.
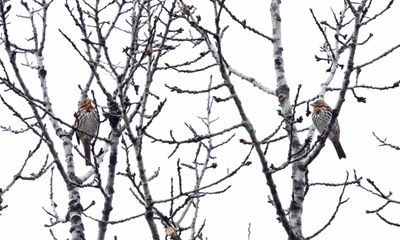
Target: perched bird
column 87, row 124
column 321, row 117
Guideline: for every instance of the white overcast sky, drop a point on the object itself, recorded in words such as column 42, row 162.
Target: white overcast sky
column 228, row 215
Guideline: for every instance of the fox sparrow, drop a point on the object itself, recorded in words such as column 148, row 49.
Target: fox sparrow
column 321, row 117
column 87, row 124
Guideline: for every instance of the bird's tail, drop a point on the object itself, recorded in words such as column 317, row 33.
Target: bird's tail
column 86, row 149
column 339, row 149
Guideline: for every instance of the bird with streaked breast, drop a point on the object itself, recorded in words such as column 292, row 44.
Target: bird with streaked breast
column 321, row 117
column 87, row 125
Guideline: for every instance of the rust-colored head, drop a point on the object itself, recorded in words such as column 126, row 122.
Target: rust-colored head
column 319, row 103
column 86, row 105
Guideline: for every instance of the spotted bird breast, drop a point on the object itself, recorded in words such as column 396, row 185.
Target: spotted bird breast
column 321, row 117
column 88, row 123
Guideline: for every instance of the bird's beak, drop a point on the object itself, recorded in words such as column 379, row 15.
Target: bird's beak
column 312, row 104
